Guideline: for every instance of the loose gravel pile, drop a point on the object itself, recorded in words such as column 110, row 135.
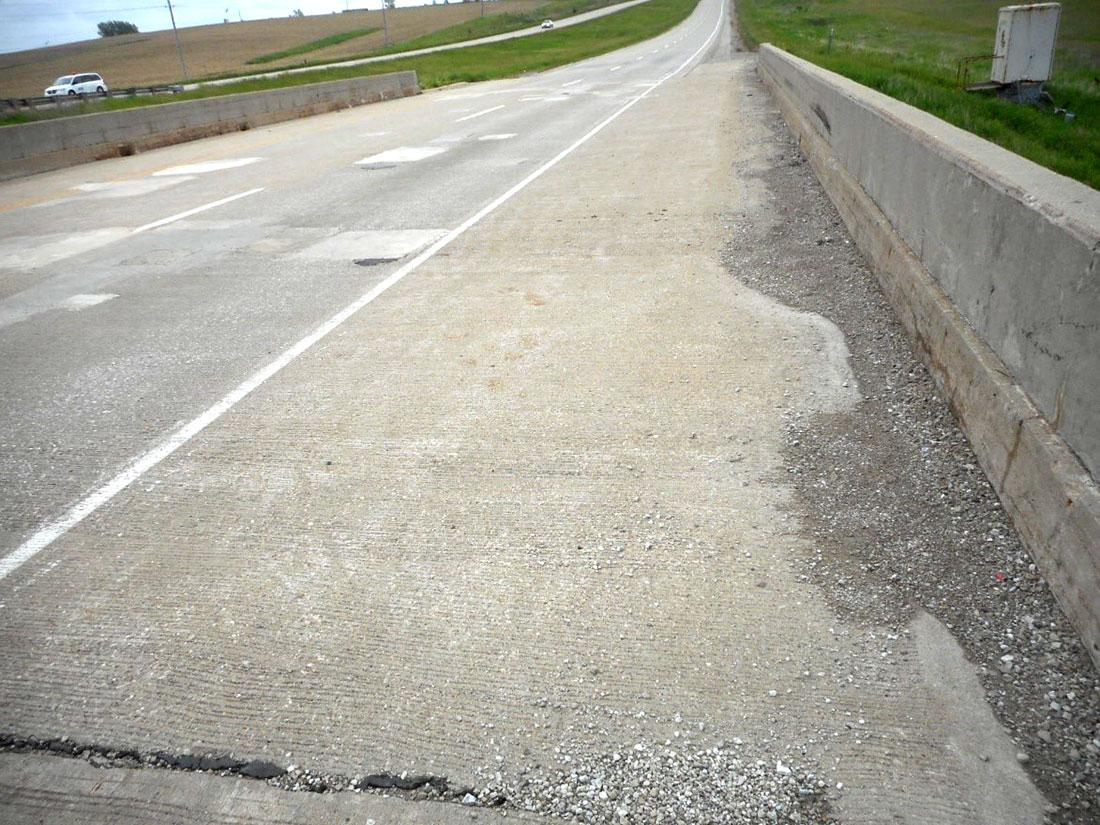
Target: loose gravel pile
column 652, row 785
column 900, row 514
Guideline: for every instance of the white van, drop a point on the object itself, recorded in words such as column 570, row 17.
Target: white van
column 88, row 83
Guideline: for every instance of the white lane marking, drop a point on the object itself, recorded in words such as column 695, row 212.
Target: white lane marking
column 404, row 154
column 549, row 98
column 639, row 57
column 206, row 166
column 87, row 300
column 482, row 112
column 615, row 69
column 196, row 210
column 505, row 136
column 572, row 83
column 374, row 134
column 47, row 535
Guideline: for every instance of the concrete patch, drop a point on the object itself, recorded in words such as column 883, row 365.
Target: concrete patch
column 33, row 251
column 84, row 301
column 987, row 761
column 405, row 154
column 68, row 791
column 377, row 244
column 206, row 166
column 117, row 189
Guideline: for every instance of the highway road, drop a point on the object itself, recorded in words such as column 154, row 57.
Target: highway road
column 433, row 438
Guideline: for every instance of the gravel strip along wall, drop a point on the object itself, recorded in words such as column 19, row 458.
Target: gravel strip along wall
column 990, row 262
column 54, row 144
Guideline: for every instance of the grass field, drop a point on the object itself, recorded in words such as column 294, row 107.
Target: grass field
column 148, row 59
column 494, row 60
column 909, row 49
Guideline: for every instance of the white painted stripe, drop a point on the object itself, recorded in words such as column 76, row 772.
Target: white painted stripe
column 572, row 83
column 614, row 68
column 207, row 166
column 87, row 300
column 196, row 210
column 374, row 134
column 405, row 154
column 50, row 533
column 507, row 136
column 482, row 112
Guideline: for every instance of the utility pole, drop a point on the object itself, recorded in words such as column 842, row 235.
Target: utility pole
column 482, row 8
column 385, row 28
column 179, row 48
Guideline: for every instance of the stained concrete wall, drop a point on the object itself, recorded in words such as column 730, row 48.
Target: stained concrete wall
column 53, row 144
column 990, row 263
column 1014, row 245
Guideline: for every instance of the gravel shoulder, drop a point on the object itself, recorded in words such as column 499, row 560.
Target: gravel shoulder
column 891, row 498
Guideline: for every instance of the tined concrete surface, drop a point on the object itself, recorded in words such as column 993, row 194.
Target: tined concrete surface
column 520, row 523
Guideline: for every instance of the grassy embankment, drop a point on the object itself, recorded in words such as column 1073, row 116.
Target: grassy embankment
column 313, row 45
column 494, row 60
column 909, row 49
column 469, row 30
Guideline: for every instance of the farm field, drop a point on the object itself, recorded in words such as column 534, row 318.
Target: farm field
column 909, row 49
column 485, row 62
column 150, row 58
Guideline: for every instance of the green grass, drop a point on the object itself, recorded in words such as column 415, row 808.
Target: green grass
column 314, row 45
column 909, row 49
column 494, row 60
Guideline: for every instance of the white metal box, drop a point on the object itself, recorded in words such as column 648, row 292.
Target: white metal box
column 1024, row 48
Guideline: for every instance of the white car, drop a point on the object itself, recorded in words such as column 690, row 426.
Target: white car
column 88, row 83
column 548, row 24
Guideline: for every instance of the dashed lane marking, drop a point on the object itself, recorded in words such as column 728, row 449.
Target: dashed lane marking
column 505, row 136
column 482, row 112
column 572, row 83
column 196, row 210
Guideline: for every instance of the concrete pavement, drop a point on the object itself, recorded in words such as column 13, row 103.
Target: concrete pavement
column 520, row 521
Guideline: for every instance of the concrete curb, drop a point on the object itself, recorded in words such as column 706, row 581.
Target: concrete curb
column 29, row 148
column 1052, row 499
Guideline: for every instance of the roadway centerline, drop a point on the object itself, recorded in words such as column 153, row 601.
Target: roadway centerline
column 52, row 531
column 479, row 114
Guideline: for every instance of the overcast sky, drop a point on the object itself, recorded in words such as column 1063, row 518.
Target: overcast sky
column 29, row 24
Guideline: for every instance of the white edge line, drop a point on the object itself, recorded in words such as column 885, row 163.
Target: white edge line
column 479, row 114
column 195, row 211
column 47, row 535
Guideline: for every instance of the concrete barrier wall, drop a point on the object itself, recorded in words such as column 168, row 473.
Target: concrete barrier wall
column 53, row 144
column 991, row 263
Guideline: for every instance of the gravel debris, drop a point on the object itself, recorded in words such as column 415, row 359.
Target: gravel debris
column 900, row 515
column 649, row 785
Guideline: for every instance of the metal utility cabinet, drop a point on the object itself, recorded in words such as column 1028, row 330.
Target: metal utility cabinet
column 1024, row 49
